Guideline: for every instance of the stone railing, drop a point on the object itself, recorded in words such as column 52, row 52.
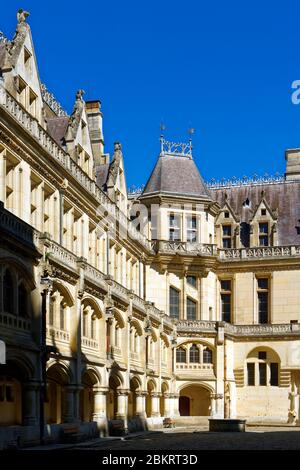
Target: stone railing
column 28, row 122
column 94, row 275
column 236, row 254
column 135, row 357
column 55, row 334
column 195, row 326
column 263, row 330
column 13, row 321
column 17, row 227
column 89, row 343
column 194, row 366
column 61, row 255
column 188, row 248
column 51, row 101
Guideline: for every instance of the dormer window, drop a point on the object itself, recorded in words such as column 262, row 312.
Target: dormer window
column 27, row 60
column 226, row 236
column 21, row 89
column 32, row 102
column 263, row 234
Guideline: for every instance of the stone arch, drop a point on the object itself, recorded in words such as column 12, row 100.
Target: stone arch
column 22, row 269
column 195, row 399
column 58, row 403
column 163, row 397
column 135, row 388
column 151, row 391
column 16, row 286
column 16, row 378
column 115, row 383
column 88, row 299
column 90, row 380
column 253, row 353
column 64, row 290
column 166, row 340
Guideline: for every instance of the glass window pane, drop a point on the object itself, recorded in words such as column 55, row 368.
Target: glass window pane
column 174, row 303
column 192, row 280
column 250, row 373
column 262, row 367
column 226, row 307
column 274, row 374
column 227, row 230
column 263, row 307
column 226, row 242
column 191, row 309
column 194, row 354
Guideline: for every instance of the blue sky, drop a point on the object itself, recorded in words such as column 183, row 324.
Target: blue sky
column 224, row 68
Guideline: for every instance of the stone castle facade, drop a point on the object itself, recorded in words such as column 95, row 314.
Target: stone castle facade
column 120, row 309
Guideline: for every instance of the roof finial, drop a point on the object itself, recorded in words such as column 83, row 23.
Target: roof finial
column 79, row 94
column 22, row 15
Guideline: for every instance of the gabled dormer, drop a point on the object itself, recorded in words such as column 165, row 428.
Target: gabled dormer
column 77, row 138
column 227, row 227
column 19, row 69
column 116, row 182
column 263, row 225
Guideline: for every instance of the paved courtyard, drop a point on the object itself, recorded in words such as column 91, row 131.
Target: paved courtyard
column 256, row 438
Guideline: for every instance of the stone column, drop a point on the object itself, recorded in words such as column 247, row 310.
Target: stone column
column 167, row 405
column 3, row 176
column 99, row 404
column 122, row 406
column 68, row 404
column 176, row 404
column 61, row 216
column 141, row 404
column 155, row 408
column 30, row 403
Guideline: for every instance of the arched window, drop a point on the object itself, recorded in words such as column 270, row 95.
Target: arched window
column 180, row 355
column 207, row 356
column 8, row 293
column 194, row 354
column 22, row 301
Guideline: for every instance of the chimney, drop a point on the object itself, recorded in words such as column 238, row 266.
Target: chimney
column 95, row 119
column 292, row 157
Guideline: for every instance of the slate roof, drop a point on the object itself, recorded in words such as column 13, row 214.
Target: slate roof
column 57, row 128
column 282, row 196
column 176, row 175
column 101, row 175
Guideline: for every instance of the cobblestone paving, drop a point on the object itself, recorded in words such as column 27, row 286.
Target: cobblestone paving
column 259, row 438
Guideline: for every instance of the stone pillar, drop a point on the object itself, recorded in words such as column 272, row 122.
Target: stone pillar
column 122, row 406
column 68, row 404
column 155, row 408
column 141, row 404
column 30, row 408
column 3, row 176
column 61, row 216
column 141, row 279
column 99, row 404
column 176, row 404
column 213, row 405
column 167, row 405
